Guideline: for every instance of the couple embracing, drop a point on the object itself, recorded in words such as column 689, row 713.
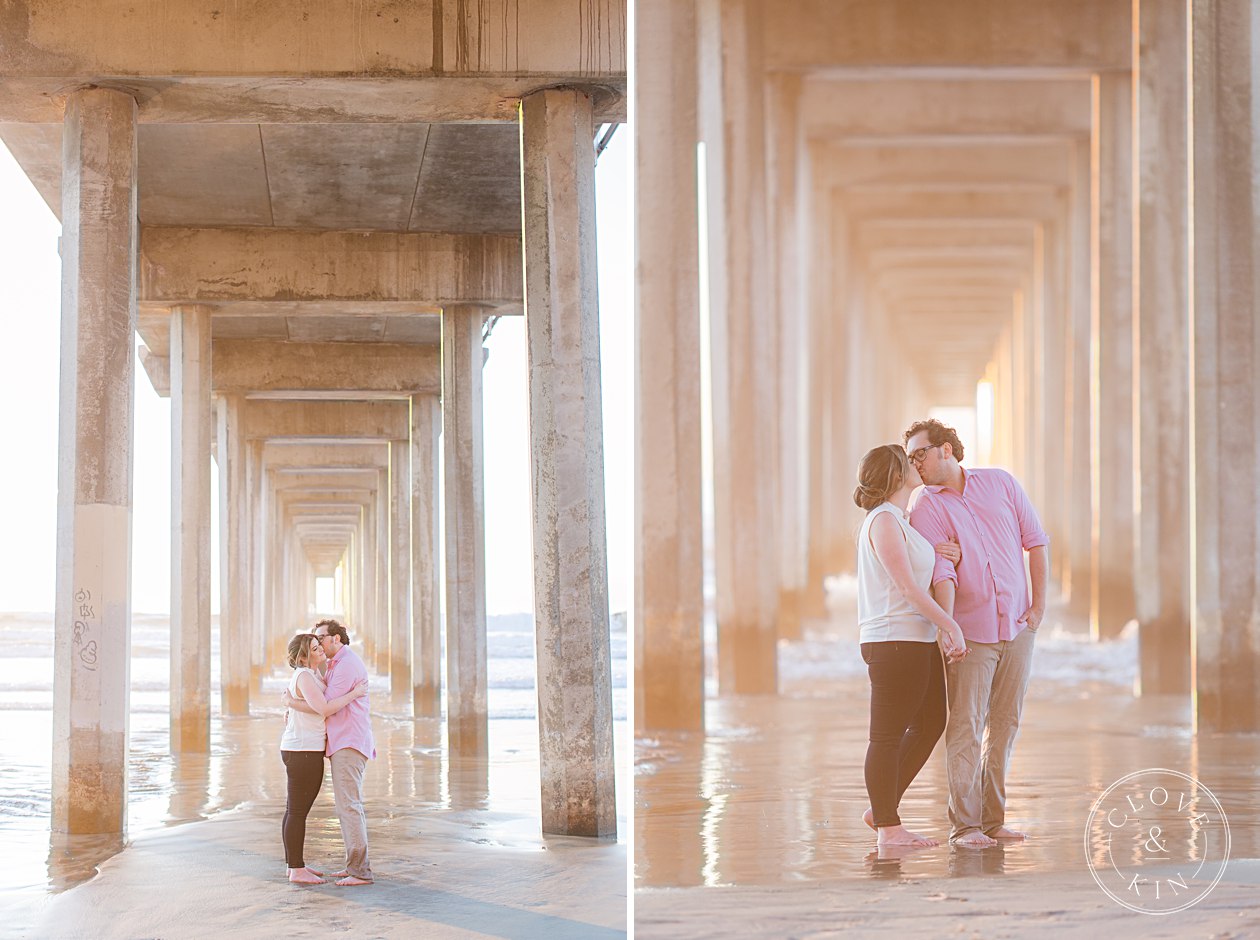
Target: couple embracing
column 953, row 567
column 326, row 712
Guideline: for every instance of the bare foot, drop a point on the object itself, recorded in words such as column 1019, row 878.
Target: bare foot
column 975, row 838
column 340, row 874
column 304, row 876
column 350, row 881
column 1001, row 832
column 900, row 835
column 869, row 818
column 313, row 871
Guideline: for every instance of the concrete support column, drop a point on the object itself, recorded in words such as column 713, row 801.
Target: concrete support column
column 567, row 459
column 1077, row 437
column 93, row 606
column 1225, row 343
column 465, row 531
column 371, row 577
column 1161, row 367
column 818, row 408
column 277, row 580
column 1111, row 349
column 1050, row 422
column 400, row 570
column 377, row 640
column 786, row 146
column 744, row 422
column 257, row 574
column 426, row 558
column 669, row 549
column 192, row 426
column 234, row 570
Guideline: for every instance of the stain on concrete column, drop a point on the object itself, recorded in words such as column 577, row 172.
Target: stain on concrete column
column 234, row 571
column 465, row 531
column 192, row 427
column 93, row 606
column 567, row 457
column 426, row 583
column 1161, row 306
column 669, row 603
column 400, row 570
column 1226, row 352
column 1111, row 374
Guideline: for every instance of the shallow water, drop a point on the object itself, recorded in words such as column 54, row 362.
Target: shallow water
column 412, row 774
column 773, row 793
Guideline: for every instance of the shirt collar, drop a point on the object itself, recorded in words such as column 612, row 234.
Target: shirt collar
column 937, row 489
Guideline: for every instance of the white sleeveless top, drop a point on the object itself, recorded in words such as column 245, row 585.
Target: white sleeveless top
column 883, row 612
column 302, row 730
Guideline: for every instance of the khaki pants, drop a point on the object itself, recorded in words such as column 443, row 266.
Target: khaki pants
column 348, row 766
column 986, row 688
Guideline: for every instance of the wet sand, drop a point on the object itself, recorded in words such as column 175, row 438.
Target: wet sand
column 754, row 829
column 455, row 844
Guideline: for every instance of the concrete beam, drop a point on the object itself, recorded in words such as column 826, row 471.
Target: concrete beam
column 375, row 420
column 245, row 366
column 285, row 61
column 966, row 37
column 386, row 270
column 311, row 458
column 936, row 108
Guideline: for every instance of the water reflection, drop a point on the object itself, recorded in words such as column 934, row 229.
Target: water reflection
column 774, row 792
column 74, row 859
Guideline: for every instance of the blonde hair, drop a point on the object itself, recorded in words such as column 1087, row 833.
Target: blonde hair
column 880, row 474
column 300, row 649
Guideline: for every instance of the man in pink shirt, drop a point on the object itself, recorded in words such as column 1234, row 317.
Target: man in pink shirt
column 349, row 747
column 989, row 515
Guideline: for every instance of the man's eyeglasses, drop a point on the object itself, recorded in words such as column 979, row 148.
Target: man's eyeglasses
column 918, row 455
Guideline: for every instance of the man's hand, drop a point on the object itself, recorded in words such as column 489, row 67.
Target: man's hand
column 1033, row 617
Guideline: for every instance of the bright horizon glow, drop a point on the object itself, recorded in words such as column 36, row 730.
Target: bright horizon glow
column 30, row 304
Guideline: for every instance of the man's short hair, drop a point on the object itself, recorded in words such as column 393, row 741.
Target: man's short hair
column 937, row 434
column 335, row 629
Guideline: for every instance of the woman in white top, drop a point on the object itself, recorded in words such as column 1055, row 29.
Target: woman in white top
column 899, row 625
column 302, row 749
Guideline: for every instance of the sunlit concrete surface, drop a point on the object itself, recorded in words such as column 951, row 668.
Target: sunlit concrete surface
column 456, row 842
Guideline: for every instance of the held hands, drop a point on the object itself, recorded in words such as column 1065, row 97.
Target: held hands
column 951, row 550
column 953, row 644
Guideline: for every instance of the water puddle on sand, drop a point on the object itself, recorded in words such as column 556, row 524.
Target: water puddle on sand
column 774, row 792
column 411, row 786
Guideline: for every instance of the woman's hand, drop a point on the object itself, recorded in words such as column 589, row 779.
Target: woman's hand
column 954, row 644
column 951, row 550
column 360, row 689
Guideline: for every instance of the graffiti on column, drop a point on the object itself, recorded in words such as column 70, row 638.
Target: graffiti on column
column 84, row 644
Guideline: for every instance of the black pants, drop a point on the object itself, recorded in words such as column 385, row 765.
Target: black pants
column 306, row 776
column 907, row 719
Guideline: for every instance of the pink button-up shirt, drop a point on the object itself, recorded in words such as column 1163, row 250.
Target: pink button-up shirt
column 994, row 523
column 352, row 726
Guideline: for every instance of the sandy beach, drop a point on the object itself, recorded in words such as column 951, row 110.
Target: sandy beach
column 456, row 845
column 754, row 828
